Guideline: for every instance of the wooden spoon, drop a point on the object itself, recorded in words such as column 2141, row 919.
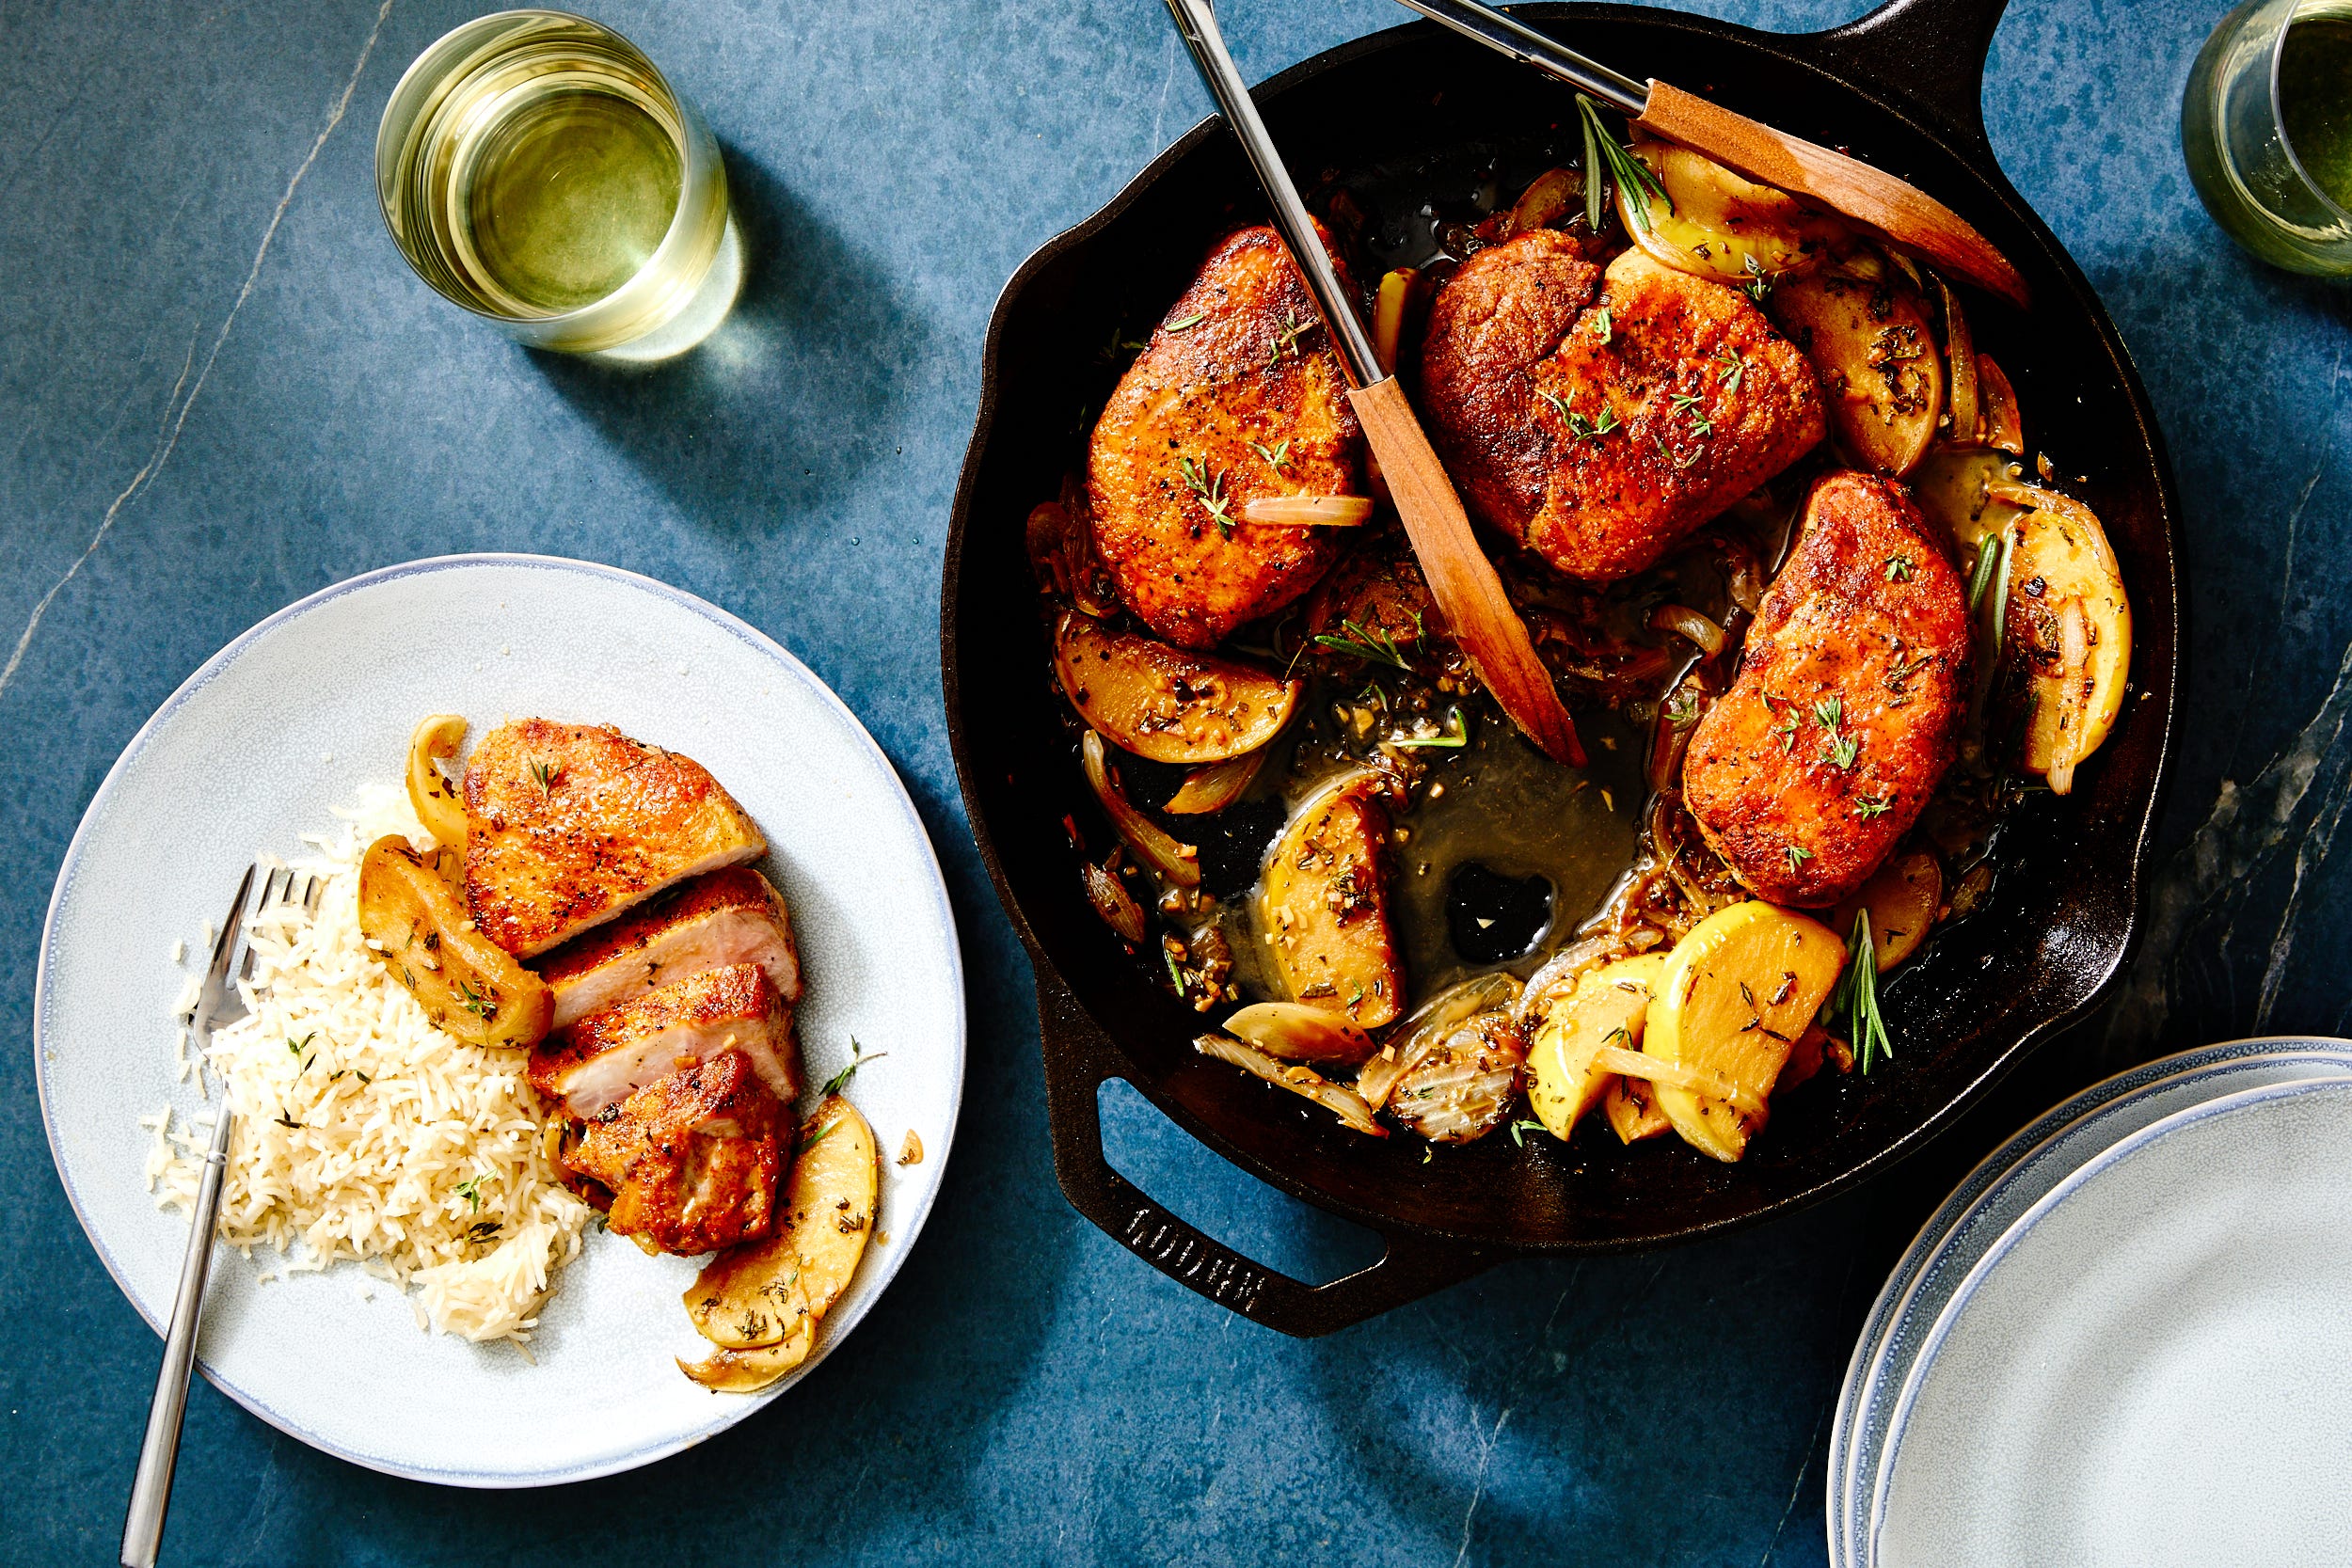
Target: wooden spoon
column 1461, row 580
column 1871, row 197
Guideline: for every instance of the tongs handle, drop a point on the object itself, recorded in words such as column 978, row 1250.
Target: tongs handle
column 1468, row 593
column 1526, row 45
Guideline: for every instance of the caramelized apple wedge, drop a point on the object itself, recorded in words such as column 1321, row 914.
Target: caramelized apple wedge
column 1163, row 703
column 771, row 1292
column 469, row 986
column 1869, row 339
column 439, row 803
column 1325, row 907
column 1609, row 1007
column 1738, row 991
column 1901, row 897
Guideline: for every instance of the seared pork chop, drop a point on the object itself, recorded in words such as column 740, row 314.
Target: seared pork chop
column 1497, row 319
column 607, row 1056
column 1238, row 395
column 571, row 824
column 729, row 917
column 693, row 1158
column 1852, row 690
column 1665, row 400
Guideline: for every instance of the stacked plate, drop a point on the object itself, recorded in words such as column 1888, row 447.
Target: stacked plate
column 2126, row 1338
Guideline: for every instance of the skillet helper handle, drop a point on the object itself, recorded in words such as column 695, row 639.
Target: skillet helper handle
column 1078, row 1061
column 1930, row 52
column 159, row 1453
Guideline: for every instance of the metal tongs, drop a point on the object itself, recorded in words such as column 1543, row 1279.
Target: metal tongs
column 1900, row 212
column 1461, row 580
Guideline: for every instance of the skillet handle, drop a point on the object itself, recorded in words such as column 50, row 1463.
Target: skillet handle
column 1078, row 1060
column 1929, row 51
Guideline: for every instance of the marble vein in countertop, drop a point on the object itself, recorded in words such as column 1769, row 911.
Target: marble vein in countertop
column 176, row 407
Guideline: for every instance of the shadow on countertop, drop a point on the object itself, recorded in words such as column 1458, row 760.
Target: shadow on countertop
column 780, row 414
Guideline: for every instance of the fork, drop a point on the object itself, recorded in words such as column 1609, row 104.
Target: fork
column 219, row 1002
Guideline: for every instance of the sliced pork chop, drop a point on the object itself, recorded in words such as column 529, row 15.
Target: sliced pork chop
column 694, row 1160
column 607, row 1056
column 729, row 917
column 570, row 825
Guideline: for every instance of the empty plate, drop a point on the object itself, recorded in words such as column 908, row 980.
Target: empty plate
column 2153, row 1365
column 2005, row 1186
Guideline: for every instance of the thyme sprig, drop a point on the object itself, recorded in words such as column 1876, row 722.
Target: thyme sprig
column 1209, row 487
column 858, row 1058
column 1857, row 997
column 1277, row 457
column 1629, row 173
column 1452, row 736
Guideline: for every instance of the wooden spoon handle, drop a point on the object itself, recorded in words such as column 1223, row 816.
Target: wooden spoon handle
column 1461, row 578
column 1900, row 212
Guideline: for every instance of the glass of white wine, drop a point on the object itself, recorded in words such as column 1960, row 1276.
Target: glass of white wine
column 2266, row 126
column 536, row 168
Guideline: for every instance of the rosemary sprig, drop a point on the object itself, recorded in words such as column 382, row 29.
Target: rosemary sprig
column 1363, row 642
column 545, row 774
column 1630, row 174
column 1857, row 996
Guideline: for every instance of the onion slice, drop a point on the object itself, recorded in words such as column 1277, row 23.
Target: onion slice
column 1308, row 511
column 1388, row 315
column 1429, row 1025
column 2074, row 658
column 1217, row 786
column 1677, row 1075
column 1689, row 623
column 1300, row 1079
column 1298, row 1033
column 1959, row 352
column 1178, row 862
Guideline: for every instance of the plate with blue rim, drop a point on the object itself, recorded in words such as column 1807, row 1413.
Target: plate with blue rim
column 290, row 721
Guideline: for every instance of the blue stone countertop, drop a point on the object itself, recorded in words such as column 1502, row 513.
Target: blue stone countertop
column 220, row 390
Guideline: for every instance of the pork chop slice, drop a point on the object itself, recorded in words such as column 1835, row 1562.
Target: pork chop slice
column 728, row 917
column 570, row 825
column 694, row 1160
column 607, row 1056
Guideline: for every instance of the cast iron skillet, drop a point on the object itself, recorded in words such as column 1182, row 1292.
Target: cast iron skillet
column 1899, row 87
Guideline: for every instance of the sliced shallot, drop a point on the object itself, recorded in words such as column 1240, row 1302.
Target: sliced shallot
column 1178, row 862
column 1677, row 1075
column 2074, row 658
column 1215, row 786
column 1299, row 1033
column 1300, row 1079
column 1113, row 902
column 1691, row 624
column 1308, row 511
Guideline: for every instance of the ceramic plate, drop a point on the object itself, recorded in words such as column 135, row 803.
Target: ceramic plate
column 2003, row 1187
column 2153, row 1363
column 291, row 720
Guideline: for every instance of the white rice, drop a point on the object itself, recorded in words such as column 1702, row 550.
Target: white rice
column 365, row 1133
